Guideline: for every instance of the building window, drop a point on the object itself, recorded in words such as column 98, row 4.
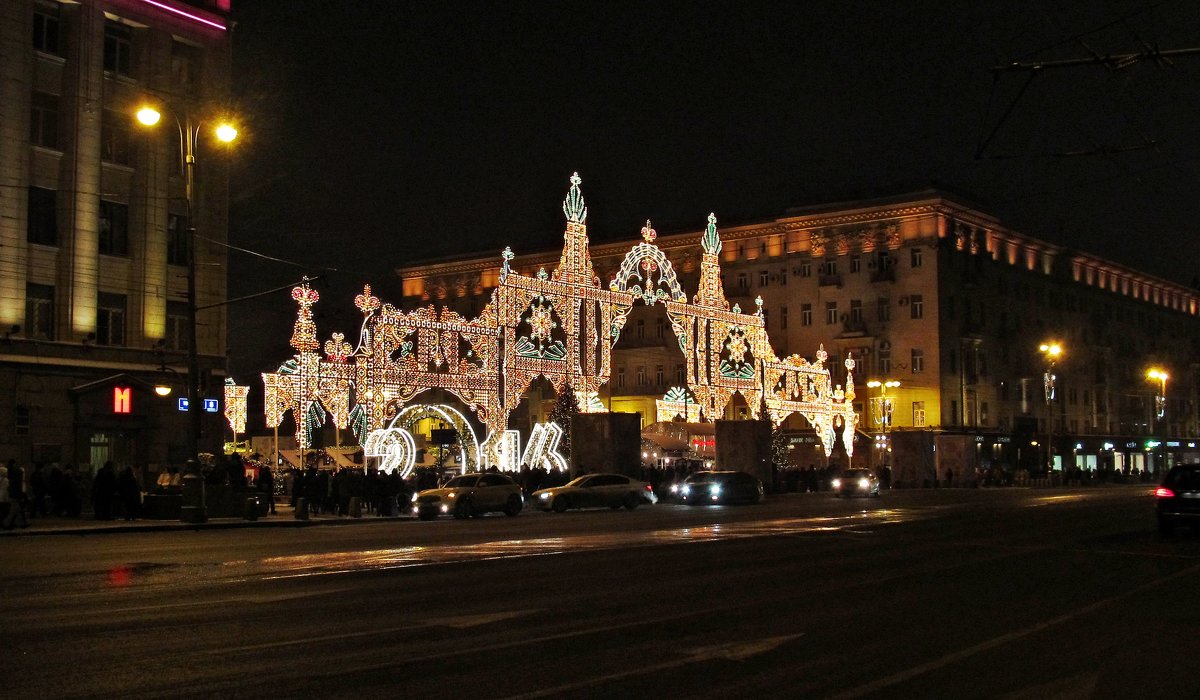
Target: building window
column 885, row 362
column 114, row 228
column 806, row 314
column 918, row 361
column 658, row 375
column 118, row 49
column 806, row 268
column 177, row 326
column 680, row 375
column 659, row 329
column 39, row 311
column 883, row 307
column 783, row 277
column 185, row 64
column 45, row 29
column 884, row 260
column 641, row 329
column 110, row 319
column 856, row 314
column 918, row 414
column 114, row 138
column 177, row 242
column 620, row 376
column 914, row 256
column 763, row 278
column 43, row 216
column 983, row 412
column 641, row 375
column 21, row 414
column 831, row 314
column 783, row 318
column 829, row 267
column 855, row 263
column 917, row 306
column 743, row 282
column 43, row 120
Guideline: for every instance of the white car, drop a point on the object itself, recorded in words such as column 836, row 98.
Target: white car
column 596, row 491
column 468, row 496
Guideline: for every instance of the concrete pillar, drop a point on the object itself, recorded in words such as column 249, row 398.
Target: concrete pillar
column 16, row 26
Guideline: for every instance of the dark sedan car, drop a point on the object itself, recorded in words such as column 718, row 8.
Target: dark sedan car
column 720, row 487
column 856, row 482
column 1178, row 498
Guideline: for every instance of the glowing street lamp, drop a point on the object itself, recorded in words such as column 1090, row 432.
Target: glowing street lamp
column 884, row 408
column 189, row 137
column 1155, row 374
column 1051, row 351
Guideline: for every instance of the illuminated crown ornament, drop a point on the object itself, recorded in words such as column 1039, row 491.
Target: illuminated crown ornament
column 304, row 332
column 822, row 355
column 711, row 242
column 366, row 302
column 338, row 349
column 573, row 206
column 507, row 255
column 648, row 232
column 758, row 302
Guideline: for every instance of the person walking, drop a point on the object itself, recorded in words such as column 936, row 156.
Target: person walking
column 5, row 504
column 130, row 493
column 38, row 485
column 104, row 488
column 266, row 485
column 16, row 496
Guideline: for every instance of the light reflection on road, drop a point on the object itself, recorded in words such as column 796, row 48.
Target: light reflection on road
column 379, row 559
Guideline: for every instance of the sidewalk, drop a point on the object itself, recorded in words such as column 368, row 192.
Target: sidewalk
column 86, row 525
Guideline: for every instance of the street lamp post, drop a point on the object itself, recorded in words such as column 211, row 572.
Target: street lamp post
column 1051, row 351
column 189, row 136
column 883, row 414
column 1158, row 375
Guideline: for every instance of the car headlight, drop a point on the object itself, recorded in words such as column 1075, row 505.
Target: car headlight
column 450, row 495
column 544, row 496
column 864, row 483
column 715, row 490
column 686, row 490
column 674, row 488
column 445, row 508
column 837, row 483
column 414, row 498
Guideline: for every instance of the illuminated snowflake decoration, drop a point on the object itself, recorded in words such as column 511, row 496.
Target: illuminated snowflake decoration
column 541, row 322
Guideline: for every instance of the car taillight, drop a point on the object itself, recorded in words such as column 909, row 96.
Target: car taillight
column 649, row 487
column 1164, row 492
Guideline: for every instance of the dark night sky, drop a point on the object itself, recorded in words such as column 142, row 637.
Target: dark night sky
column 381, row 133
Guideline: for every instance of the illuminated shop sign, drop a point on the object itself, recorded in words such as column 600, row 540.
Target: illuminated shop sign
column 122, row 399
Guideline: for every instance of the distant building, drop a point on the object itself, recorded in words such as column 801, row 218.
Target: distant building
column 931, row 291
column 93, row 223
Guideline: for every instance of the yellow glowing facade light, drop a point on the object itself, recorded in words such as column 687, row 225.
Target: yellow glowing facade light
column 1157, row 375
column 226, row 133
column 1051, row 350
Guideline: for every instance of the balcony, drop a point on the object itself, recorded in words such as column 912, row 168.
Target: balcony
column 829, row 280
column 853, row 328
column 887, row 274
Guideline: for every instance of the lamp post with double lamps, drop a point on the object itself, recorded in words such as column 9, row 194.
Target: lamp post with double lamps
column 1159, row 376
column 883, row 412
column 189, row 139
column 1051, row 351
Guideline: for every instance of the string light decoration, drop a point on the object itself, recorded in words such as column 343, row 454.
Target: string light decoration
column 235, row 406
column 675, row 403
column 560, row 325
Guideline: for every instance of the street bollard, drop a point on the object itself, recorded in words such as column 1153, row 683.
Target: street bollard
column 251, row 513
column 355, row 507
column 301, row 509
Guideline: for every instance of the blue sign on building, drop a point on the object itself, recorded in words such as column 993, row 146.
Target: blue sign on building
column 210, row 405
column 183, row 403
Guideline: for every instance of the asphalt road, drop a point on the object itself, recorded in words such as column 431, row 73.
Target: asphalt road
column 1015, row 593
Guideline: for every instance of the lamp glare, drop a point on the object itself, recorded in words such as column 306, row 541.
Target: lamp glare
column 226, row 133
column 148, row 116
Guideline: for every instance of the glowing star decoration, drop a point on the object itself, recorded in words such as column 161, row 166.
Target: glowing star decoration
column 394, row 447
column 560, row 325
column 338, row 349
column 366, row 302
column 542, row 449
column 235, row 405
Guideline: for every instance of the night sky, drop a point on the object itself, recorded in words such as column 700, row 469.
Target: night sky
column 376, row 134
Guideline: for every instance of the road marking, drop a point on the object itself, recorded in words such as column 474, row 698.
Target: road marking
column 735, row 651
column 936, row 664
column 463, row 622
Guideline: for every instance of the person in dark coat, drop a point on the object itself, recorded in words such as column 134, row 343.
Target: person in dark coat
column 130, row 493
column 266, row 485
column 38, row 484
column 104, row 488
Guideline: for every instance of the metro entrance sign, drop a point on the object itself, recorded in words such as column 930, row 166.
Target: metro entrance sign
column 210, row 405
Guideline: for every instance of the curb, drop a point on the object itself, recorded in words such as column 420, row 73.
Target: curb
column 176, row 526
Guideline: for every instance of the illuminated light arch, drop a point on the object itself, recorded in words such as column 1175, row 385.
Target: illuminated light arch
column 650, row 259
column 395, row 447
column 411, row 415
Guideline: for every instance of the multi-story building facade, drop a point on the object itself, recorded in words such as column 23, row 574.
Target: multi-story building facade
column 930, row 291
column 94, row 226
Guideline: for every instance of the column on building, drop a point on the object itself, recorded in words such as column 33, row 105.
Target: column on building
column 15, row 92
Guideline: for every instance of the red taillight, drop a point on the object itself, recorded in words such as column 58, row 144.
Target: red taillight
column 1164, row 492
column 649, row 487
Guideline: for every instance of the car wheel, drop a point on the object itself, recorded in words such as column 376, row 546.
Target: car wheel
column 559, row 504
column 425, row 515
column 1165, row 526
column 615, row 506
column 632, row 500
column 513, row 506
column 462, row 509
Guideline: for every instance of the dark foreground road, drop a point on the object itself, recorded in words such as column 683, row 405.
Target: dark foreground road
column 950, row 594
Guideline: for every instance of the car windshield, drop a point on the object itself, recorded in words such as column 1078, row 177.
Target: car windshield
column 856, row 473
column 461, row 481
column 578, row 481
column 1184, row 478
column 699, row 478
